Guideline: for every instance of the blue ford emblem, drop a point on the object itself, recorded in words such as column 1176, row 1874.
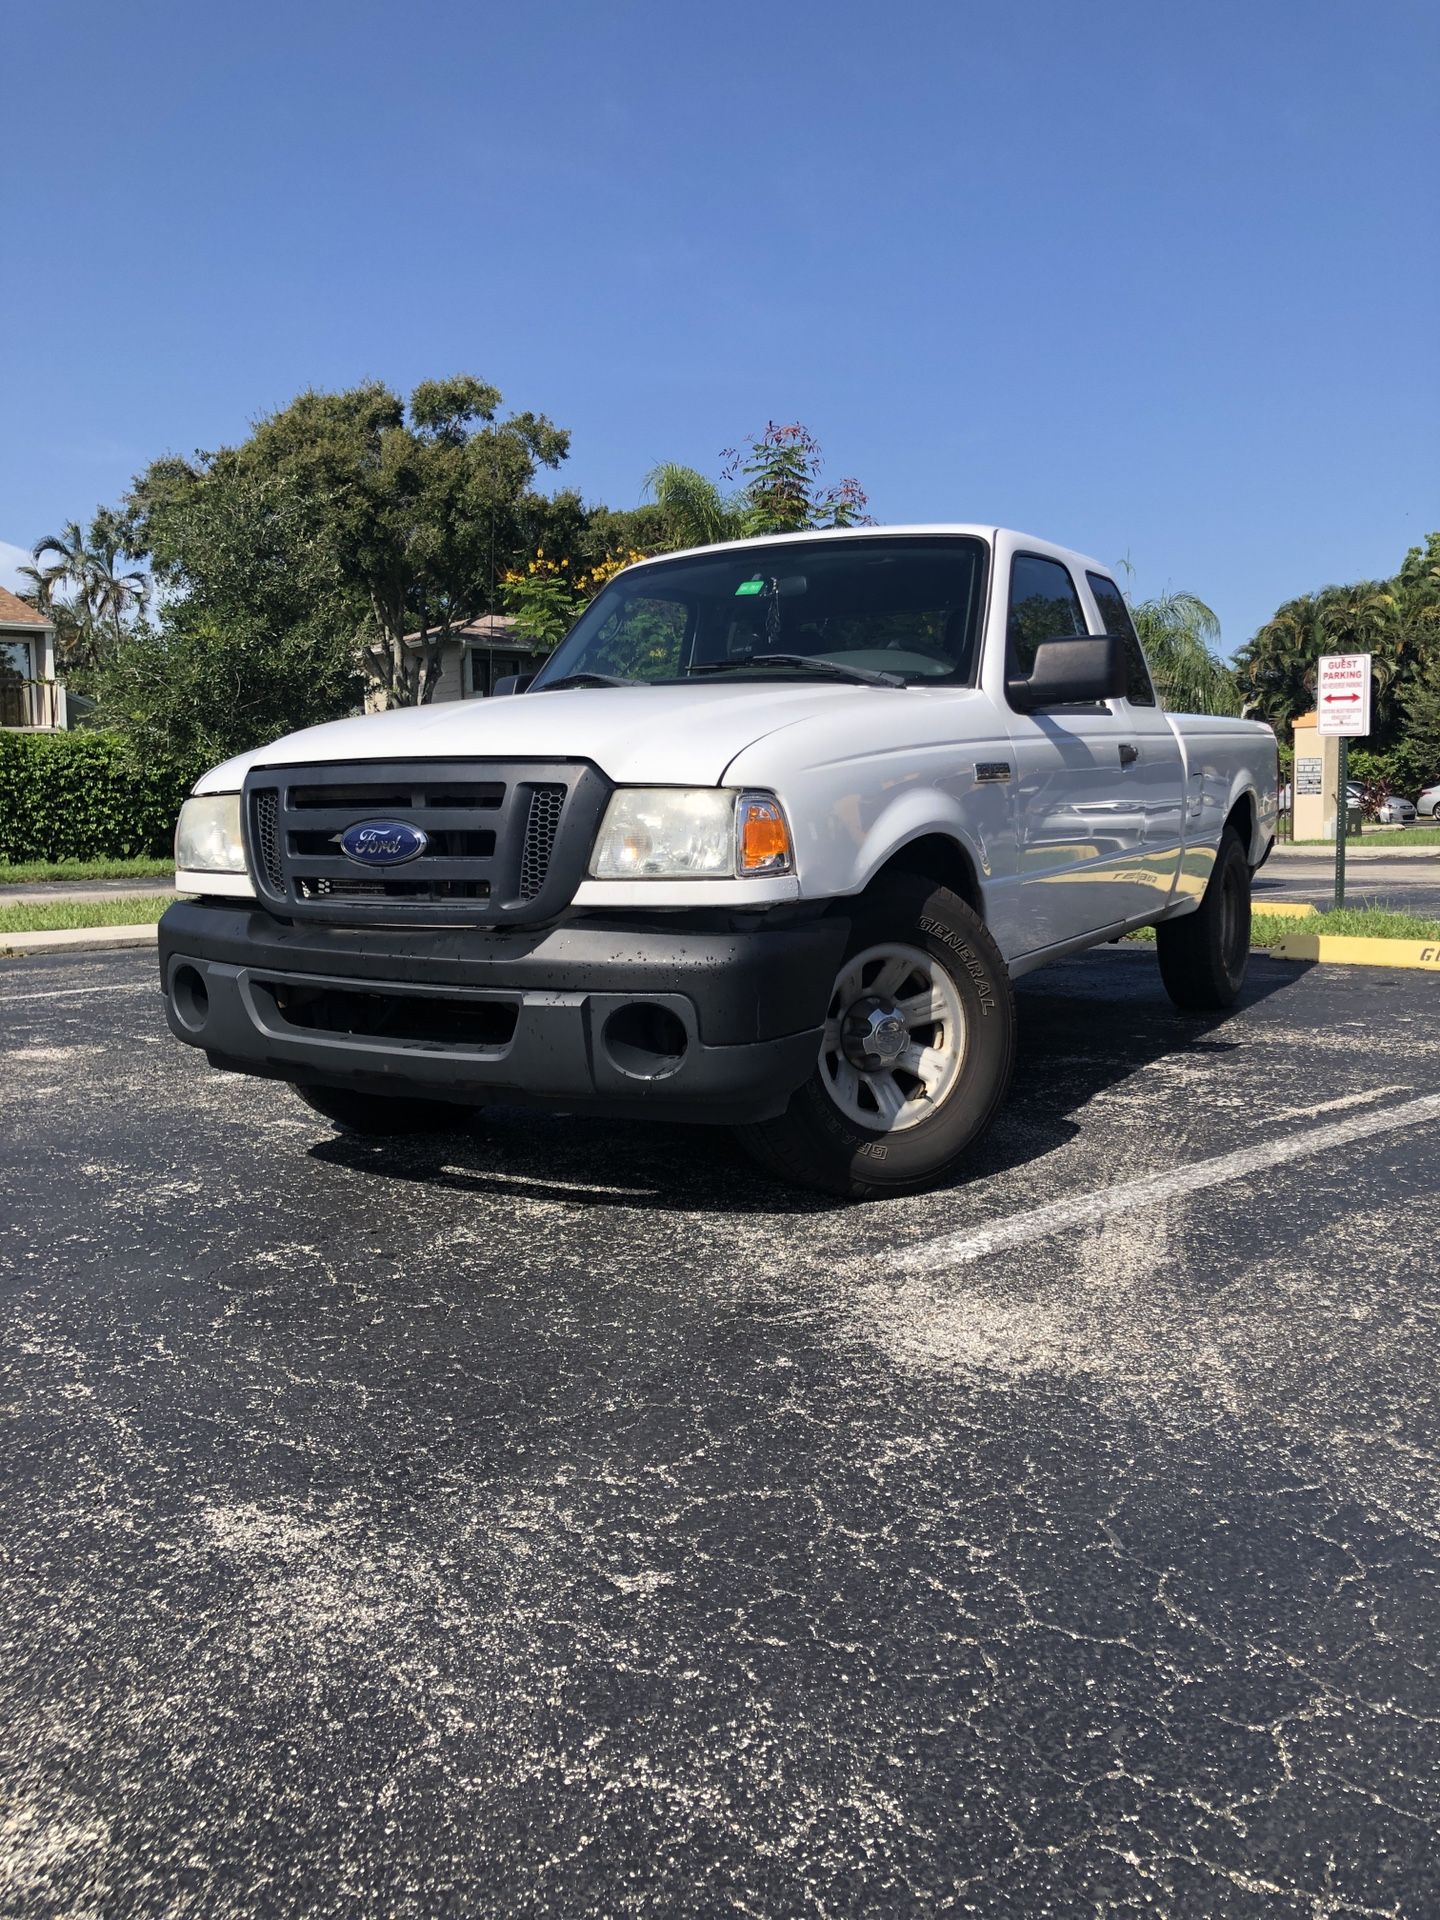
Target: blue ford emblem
column 383, row 843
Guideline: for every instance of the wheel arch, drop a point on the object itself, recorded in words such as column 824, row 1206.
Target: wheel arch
column 940, row 857
column 1244, row 818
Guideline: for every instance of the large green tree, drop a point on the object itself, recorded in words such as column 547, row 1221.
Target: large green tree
column 1276, row 666
column 1396, row 621
column 190, row 688
column 389, row 525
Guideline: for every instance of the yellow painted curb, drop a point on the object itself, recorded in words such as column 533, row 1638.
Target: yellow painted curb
column 1291, row 909
column 1347, row 951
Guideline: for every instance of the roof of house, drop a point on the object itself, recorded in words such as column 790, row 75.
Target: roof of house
column 486, row 630
column 15, row 613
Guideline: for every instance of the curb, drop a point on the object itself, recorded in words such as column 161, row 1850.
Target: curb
column 1348, row 951
column 82, row 896
column 1372, row 850
column 15, row 946
column 1287, row 909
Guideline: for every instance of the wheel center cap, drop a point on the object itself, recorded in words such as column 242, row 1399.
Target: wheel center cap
column 873, row 1034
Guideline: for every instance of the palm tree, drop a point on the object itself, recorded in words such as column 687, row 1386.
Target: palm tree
column 83, row 588
column 70, row 567
column 115, row 592
column 696, row 511
column 1179, row 634
column 1276, row 666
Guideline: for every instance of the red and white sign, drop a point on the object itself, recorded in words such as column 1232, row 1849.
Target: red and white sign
column 1342, row 694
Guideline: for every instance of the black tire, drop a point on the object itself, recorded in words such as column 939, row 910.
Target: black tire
column 815, row 1144
column 380, row 1114
column 1203, row 956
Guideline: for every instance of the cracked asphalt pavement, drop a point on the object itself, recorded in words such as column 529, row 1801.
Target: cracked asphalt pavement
column 559, row 1519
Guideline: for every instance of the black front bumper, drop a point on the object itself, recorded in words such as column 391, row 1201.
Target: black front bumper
column 710, row 1017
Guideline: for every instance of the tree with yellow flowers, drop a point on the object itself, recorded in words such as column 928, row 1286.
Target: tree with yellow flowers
column 547, row 596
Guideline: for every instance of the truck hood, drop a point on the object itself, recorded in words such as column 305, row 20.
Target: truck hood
column 665, row 736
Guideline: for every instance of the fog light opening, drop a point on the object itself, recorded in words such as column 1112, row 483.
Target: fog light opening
column 190, row 997
column 645, row 1040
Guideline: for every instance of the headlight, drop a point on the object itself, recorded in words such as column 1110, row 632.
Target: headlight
column 680, row 833
column 207, row 835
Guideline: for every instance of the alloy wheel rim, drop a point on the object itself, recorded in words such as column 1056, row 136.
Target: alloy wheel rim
column 894, row 1038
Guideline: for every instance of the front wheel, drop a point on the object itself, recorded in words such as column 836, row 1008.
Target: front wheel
column 915, row 1057
column 1203, row 956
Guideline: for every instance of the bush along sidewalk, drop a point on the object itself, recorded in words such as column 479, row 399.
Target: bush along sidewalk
column 83, row 796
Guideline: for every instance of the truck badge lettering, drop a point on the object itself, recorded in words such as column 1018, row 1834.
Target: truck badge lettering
column 967, row 957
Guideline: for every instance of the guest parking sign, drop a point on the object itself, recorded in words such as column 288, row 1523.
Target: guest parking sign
column 1342, row 694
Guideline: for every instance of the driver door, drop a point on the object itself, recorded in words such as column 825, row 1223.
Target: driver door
column 1086, row 777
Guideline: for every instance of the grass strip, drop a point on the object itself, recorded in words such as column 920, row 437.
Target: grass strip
column 26, row 873
column 131, row 910
column 1362, row 923
column 1379, row 838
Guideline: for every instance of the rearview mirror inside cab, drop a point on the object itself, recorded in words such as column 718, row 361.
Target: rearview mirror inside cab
column 1070, row 672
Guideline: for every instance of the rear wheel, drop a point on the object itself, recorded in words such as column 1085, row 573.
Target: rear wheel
column 915, row 1057
column 1203, row 956
column 380, row 1114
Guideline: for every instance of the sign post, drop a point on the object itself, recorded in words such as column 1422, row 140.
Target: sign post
column 1342, row 707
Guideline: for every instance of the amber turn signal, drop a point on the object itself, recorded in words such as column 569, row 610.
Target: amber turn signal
column 764, row 836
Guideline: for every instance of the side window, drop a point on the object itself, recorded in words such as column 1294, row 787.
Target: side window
column 1043, row 606
column 1115, row 617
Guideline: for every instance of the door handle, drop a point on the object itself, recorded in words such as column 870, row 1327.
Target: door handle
column 1129, row 755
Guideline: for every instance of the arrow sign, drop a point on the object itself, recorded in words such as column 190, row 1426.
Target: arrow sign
column 1342, row 691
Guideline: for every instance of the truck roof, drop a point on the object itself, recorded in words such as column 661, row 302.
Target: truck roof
column 1030, row 541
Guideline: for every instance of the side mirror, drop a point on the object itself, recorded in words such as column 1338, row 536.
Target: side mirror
column 512, row 683
column 1071, row 672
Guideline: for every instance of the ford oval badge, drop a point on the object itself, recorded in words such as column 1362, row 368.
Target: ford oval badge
column 383, row 843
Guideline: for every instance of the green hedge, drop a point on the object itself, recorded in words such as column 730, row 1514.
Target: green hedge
column 83, row 796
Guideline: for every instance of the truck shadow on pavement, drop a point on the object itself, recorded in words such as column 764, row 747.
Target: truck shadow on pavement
column 1085, row 1027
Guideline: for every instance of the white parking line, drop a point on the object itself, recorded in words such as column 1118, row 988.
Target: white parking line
column 1155, row 1189
column 1336, row 1106
column 65, row 993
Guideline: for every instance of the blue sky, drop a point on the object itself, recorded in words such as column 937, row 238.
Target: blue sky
column 1148, row 280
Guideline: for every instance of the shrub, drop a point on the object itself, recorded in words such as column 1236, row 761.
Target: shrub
column 84, row 796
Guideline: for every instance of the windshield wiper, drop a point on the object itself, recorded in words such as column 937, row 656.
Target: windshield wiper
column 809, row 662
column 587, row 680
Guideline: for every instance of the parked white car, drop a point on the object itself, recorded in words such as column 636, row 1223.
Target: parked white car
column 765, row 842
column 1395, row 811
column 1427, row 806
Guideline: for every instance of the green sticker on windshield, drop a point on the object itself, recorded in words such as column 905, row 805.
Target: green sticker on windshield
column 750, row 586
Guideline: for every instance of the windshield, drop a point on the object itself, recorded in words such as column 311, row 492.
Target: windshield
column 908, row 606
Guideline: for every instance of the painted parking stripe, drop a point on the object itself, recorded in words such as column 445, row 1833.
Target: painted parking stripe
column 1156, row 1189
column 66, row 993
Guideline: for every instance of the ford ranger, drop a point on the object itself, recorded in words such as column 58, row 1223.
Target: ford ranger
column 764, row 843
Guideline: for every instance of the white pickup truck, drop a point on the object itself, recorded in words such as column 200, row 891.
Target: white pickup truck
column 764, row 843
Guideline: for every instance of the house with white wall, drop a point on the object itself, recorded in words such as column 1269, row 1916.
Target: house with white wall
column 478, row 654
column 30, row 696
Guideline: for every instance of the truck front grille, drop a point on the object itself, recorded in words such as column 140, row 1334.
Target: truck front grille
column 266, row 803
column 546, row 806
column 503, row 843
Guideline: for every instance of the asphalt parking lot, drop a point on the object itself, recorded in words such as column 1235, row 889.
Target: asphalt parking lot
column 1410, row 883
column 559, row 1519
